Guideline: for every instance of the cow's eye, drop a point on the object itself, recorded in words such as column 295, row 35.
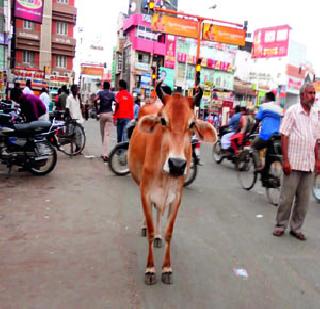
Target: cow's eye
column 163, row 122
column 191, row 125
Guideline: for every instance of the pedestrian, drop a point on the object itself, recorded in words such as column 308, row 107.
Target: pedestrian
column 62, row 99
column 45, row 98
column 137, row 104
column 31, row 106
column 105, row 112
column 123, row 111
column 73, row 110
column 300, row 134
column 28, row 89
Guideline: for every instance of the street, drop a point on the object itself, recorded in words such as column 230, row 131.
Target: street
column 71, row 239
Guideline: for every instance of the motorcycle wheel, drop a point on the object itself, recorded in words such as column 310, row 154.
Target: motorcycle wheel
column 42, row 169
column 216, row 152
column 118, row 160
column 316, row 188
column 193, row 170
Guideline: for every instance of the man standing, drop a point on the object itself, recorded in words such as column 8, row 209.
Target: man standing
column 27, row 89
column 300, row 132
column 62, row 98
column 45, row 98
column 73, row 109
column 124, row 109
column 269, row 115
column 106, row 99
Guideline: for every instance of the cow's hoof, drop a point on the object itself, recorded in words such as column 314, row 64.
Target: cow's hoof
column 167, row 277
column 150, row 278
column 143, row 231
column 157, row 242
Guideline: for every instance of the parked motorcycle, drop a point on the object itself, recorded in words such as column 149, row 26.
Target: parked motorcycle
column 27, row 145
column 118, row 157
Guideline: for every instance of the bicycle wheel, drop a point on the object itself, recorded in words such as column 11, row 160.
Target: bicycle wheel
column 246, row 174
column 74, row 141
column 216, row 152
column 273, row 191
column 193, row 170
column 316, row 188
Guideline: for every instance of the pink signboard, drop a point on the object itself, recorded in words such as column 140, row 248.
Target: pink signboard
column 170, row 56
column 31, row 10
column 271, row 42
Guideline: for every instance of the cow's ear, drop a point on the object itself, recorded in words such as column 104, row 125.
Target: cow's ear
column 205, row 131
column 147, row 123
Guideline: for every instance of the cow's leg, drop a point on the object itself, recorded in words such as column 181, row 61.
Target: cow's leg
column 150, row 275
column 166, row 266
column 144, row 229
column 158, row 238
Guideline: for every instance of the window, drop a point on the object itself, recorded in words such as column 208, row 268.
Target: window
column 27, row 24
column 62, row 28
column 61, row 62
column 28, row 57
column 63, row 1
column 144, row 58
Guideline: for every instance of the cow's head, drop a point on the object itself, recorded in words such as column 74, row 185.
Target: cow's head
column 178, row 122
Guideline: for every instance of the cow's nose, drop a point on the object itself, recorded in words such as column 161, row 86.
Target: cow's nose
column 177, row 166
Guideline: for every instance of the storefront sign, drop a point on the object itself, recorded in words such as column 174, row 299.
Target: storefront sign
column 294, row 84
column 170, row 56
column 31, row 10
column 142, row 66
column 92, row 71
column 271, row 42
column 174, row 26
column 223, row 34
column 145, row 80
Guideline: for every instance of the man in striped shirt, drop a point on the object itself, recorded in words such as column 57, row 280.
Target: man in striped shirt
column 300, row 132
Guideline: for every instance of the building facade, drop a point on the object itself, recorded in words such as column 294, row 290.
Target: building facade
column 44, row 52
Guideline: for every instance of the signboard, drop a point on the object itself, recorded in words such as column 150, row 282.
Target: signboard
column 174, row 26
column 145, row 80
column 223, row 34
column 167, row 75
column 271, row 42
column 142, row 66
column 170, row 56
column 31, row 10
column 92, row 71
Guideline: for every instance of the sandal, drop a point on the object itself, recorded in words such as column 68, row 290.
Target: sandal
column 298, row 235
column 278, row 232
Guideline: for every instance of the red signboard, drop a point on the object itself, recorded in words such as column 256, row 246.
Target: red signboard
column 271, row 42
column 170, row 56
column 31, row 10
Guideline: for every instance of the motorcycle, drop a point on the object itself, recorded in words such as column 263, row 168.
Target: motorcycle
column 219, row 154
column 27, row 145
column 118, row 157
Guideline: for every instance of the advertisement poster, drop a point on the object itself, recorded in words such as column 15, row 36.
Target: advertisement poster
column 167, row 75
column 31, row 10
column 174, row 26
column 271, row 42
column 170, row 56
column 223, row 34
column 166, row 4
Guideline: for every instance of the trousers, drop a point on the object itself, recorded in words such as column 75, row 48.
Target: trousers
column 106, row 123
column 294, row 200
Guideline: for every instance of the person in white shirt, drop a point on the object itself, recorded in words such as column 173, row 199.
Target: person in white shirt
column 73, row 109
column 45, row 98
column 27, row 88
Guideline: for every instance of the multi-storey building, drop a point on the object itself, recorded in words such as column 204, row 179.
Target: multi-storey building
column 44, row 52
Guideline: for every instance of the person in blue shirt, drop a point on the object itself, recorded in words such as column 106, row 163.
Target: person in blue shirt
column 269, row 117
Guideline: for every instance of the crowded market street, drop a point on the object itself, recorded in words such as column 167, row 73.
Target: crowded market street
column 71, row 239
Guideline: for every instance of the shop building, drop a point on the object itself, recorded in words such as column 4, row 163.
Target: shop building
column 45, row 51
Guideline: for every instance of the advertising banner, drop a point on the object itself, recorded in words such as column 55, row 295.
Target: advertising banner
column 168, row 76
column 271, row 42
column 31, row 10
column 174, row 26
column 170, row 56
column 223, row 34
column 167, row 4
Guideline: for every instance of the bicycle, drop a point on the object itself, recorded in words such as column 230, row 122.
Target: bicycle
column 71, row 138
column 247, row 172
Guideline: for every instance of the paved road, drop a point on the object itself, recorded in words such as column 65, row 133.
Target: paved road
column 71, row 240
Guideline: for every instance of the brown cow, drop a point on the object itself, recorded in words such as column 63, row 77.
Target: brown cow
column 159, row 157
